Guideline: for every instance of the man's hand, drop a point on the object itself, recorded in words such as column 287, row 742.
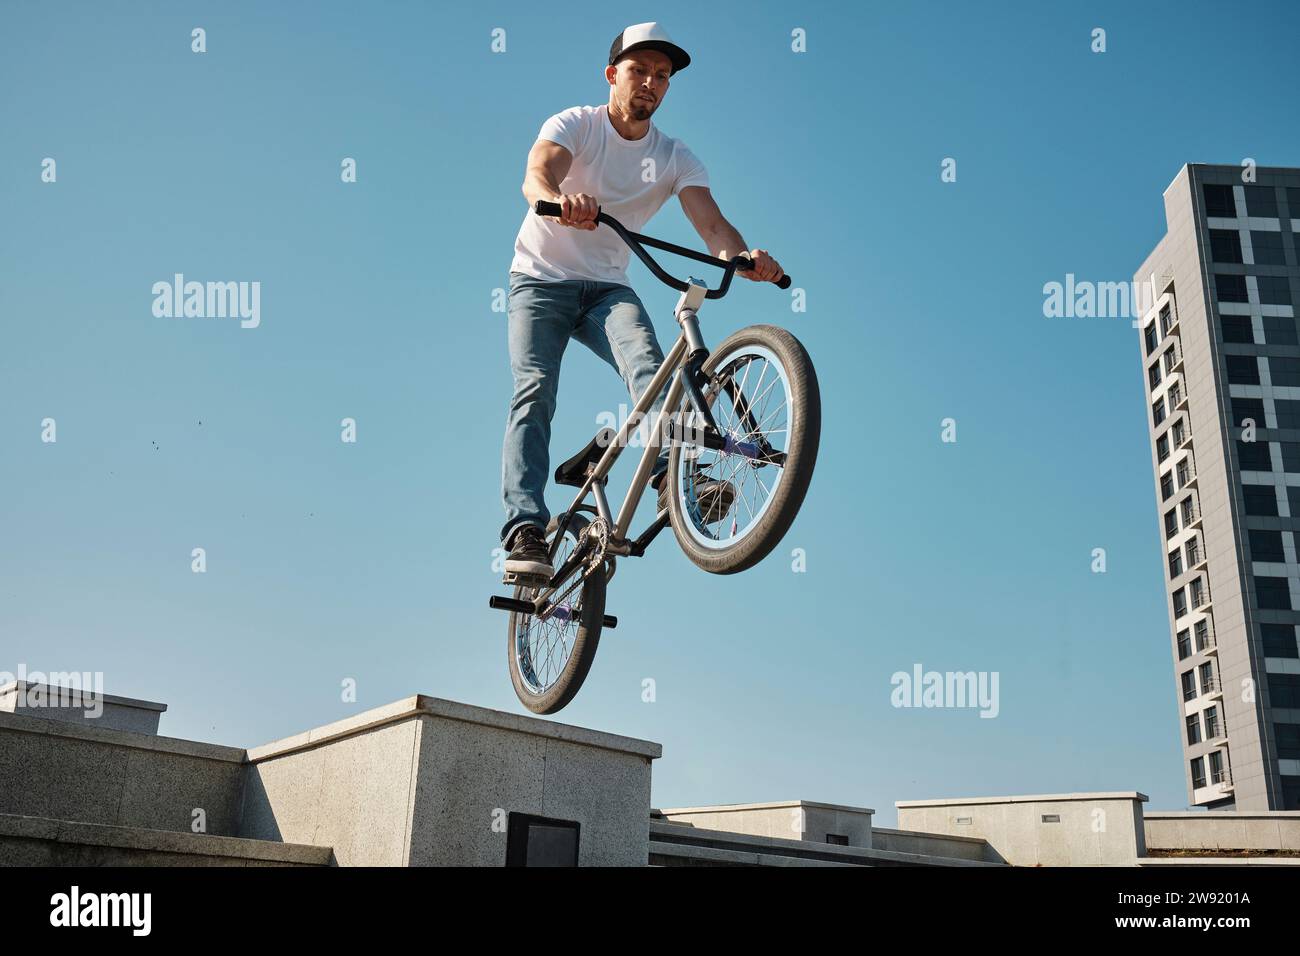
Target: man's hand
column 766, row 269
column 578, row 211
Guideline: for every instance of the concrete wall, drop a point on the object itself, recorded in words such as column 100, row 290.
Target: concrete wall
column 1093, row 829
column 79, row 772
column 932, row 844
column 1213, row 830
column 788, row 820
column 425, row 781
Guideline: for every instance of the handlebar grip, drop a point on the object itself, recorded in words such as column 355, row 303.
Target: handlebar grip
column 544, row 207
column 744, row 264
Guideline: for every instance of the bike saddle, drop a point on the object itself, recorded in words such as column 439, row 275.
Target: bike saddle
column 574, row 471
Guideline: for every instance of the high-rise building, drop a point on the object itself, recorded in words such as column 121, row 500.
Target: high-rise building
column 1221, row 373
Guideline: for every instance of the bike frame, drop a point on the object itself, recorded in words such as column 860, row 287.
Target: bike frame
column 682, row 365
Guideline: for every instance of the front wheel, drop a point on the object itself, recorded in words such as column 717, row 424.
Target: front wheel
column 730, row 507
column 550, row 659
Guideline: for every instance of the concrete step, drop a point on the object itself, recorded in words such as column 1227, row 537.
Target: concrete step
column 675, row 844
column 42, row 841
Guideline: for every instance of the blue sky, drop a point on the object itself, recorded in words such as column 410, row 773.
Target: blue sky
column 372, row 561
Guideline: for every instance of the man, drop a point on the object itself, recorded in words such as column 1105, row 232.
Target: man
column 568, row 277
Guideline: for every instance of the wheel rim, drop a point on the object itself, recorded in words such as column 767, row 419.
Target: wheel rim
column 542, row 648
column 761, row 380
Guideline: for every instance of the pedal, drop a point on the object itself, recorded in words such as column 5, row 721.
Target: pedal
column 515, row 579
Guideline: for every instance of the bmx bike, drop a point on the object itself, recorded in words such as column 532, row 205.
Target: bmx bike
column 743, row 423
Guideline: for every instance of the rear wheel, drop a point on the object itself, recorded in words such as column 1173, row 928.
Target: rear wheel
column 730, row 507
column 549, row 659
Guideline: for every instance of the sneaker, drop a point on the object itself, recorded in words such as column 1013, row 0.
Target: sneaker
column 529, row 558
column 715, row 497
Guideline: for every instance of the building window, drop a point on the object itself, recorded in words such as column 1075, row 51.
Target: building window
column 1278, row 640
column 1248, row 409
column 1166, row 320
column 1243, row 370
column 1225, row 245
column 1202, row 629
column 1184, row 469
column 1170, row 359
column 1175, row 564
column 1175, row 395
column 1180, row 603
column 1219, row 201
column 1254, row 456
column 1288, row 741
column 1267, row 248
column 1287, row 411
column 1237, row 328
column 1261, row 202
column 1193, row 729
column 1166, row 486
column 1158, row 411
column 1171, row 524
column 1198, row 592
column 1293, row 500
column 1193, row 551
column 1162, row 447
column 1189, row 511
column 1212, row 723
column 1279, row 330
column 1153, row 375
column 1272, row 594
column 1178, row 432
column 1284, row 691
column 1230, row 288
column 1207, row 678
column 1198, row 773
column 1217, row 773
column 1274, row 290
column 1188, row 679
column 1266, row 546
column 1149, row 335
column 1184, row 645
column 1260, row 499
column 837, row 839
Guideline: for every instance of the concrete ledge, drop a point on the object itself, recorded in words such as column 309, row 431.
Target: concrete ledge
column 1223, row 830
column 29, row 839
column 88, row 774
column 684, row 854
column 1066, row 829
column 425, row 781
column 1035, row 798
column 932, row 844
column 807, row 821
column 21, row 723
column 665, row 837
column 1218, row 861
column 419, row 704
column 777, row 805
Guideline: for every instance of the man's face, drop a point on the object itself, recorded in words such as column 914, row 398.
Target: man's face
column 640, row 82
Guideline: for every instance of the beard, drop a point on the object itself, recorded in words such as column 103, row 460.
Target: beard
column 641, row 109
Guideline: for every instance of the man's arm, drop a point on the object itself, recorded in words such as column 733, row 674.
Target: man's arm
column 721, row 236
column 548, row 164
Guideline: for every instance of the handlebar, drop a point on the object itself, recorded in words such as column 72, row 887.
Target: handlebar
column 635, row 241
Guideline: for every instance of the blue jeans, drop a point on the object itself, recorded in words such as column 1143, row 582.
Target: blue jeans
column 607, row 318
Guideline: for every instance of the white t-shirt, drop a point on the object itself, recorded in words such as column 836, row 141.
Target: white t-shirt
column 630, row 179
